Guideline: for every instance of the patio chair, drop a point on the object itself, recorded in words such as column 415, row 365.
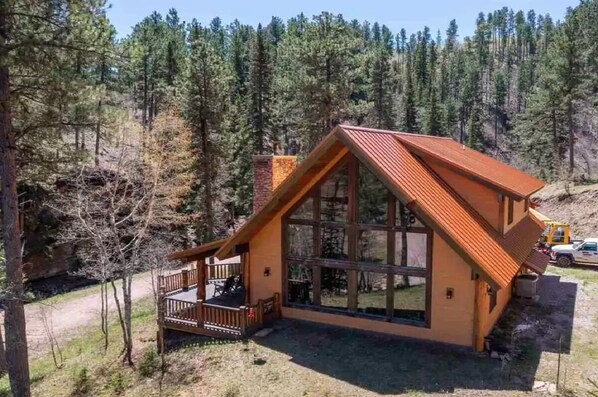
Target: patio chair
column 227, row 287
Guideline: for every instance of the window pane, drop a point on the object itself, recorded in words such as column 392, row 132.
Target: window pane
column 408, row 218
column 301, row 240
column 334, row 196
column 409, row 298
column 411, row 249
column 334, row 288
column 335, row 243
column 305, row 210
column 372, row 246
column 371, row 293
column 373, row 199
column 300, row 284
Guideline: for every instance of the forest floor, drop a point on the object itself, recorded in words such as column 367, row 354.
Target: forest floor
column 302, row 359
column 66, row 313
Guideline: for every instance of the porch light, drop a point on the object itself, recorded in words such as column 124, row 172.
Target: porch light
column 450, row 292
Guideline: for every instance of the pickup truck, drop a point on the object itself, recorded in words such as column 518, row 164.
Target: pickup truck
column 584, row 253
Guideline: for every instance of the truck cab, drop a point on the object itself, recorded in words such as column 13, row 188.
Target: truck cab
column 585, row 253
column 556, row 233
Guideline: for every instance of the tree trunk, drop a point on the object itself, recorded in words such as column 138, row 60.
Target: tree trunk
column 145, row 78
column 571, row 138
column 556, row 161
column 99, row 115
column 127, row 319
column 3, row 366
column 14, row 315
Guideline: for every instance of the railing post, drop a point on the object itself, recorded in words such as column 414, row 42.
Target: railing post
column 260, row 312
column 243, row 319
column 277, row 305
column 199, row 312
column 161, row 282
column 185, row 275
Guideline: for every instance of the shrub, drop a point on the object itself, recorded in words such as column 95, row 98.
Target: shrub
column 117, row 383
column 232, row 390
column 81, row 381
column 149, row 363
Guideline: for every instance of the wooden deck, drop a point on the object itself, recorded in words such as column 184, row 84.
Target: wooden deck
column 224, row 316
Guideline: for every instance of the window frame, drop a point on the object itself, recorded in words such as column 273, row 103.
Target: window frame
column 390, row 268
column 510, row 211
column 493, row 300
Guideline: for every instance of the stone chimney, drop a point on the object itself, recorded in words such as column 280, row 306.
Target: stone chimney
column 268, row 172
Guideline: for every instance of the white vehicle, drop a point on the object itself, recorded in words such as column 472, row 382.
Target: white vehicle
column 582, row 253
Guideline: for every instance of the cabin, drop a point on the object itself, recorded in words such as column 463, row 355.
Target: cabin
column 390, row 232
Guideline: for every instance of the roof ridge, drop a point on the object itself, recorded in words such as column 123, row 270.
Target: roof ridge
column 390, row 132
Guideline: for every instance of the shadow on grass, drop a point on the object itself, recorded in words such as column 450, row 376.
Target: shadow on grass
column 176, row 340
column 391, row 365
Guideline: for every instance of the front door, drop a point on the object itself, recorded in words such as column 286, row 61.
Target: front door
column 588, row 253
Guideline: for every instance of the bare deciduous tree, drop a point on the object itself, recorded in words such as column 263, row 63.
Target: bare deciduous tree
column 123, row 212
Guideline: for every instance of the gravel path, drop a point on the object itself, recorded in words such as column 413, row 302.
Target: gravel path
column 66, row 316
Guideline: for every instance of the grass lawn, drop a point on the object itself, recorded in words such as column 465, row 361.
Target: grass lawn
column 304, row 359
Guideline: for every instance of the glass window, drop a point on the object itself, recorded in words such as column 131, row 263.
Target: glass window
column 411, row 249
column 305, row 210
column 301, row 240
column 589, row 247
column 300, row 284
column 334, row 293
column 406, row 217
column 409, row 298
column 492, row 300
column 373, row 246
column 335, row 243
column 334, row 197
column 373, row 199
column 559, row 235
column 371, row 293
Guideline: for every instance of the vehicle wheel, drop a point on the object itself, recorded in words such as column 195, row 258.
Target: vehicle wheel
column 563, row 260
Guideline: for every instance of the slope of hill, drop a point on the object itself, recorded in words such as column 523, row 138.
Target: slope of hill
column 575, row 205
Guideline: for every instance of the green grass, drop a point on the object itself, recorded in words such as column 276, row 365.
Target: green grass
column 85, row 353
column 586, row 274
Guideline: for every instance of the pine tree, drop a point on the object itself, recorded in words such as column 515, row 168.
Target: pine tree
column 380, row 87
column 260, row 91
column 432, row 124
column 409, row 119
column 205, row 104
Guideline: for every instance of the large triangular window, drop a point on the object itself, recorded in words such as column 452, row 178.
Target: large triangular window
column 360, row 250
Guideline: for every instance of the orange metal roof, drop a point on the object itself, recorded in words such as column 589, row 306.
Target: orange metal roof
column 466, row 231
column 537, row 261
column 465, row 160
column 392, row 156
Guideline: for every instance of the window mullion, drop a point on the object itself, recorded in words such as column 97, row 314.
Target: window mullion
column 352, row 228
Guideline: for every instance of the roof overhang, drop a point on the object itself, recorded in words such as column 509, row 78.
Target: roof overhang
column 327, row 152
column 197, row 253
column 537, row 261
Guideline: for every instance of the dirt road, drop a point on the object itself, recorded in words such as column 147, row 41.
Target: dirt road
column 66, row 316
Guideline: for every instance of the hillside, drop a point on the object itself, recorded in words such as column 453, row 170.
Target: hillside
column 575, row 205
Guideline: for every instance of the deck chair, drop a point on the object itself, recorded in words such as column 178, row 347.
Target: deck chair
column 227, row 287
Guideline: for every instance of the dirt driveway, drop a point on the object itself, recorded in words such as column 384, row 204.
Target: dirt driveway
column 67, row 315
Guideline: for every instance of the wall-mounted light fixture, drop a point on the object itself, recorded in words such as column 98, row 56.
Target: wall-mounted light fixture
column 267, row 272
column 450, row 293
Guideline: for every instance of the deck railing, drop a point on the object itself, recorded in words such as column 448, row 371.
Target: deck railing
column 176, row 281
column 187, row 278
column 237, row 321
column 222, row 271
